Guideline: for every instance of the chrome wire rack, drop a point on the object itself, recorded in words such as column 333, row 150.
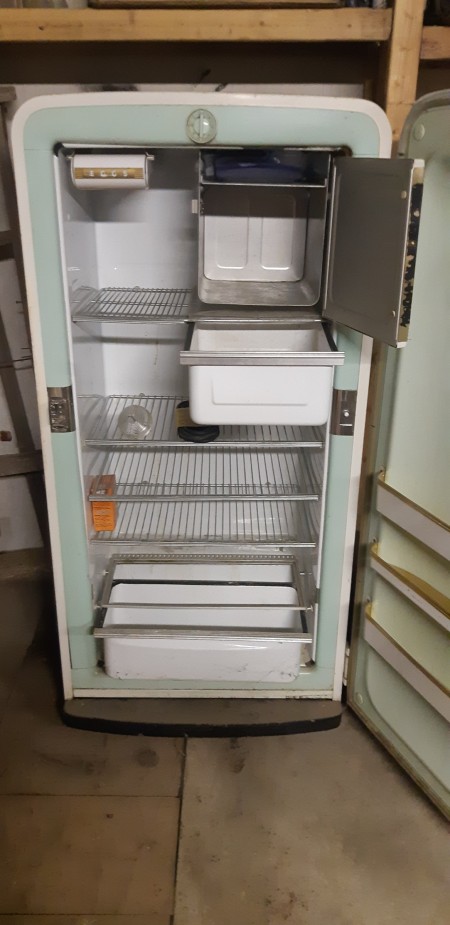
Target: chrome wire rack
column 100, row 417
column 233, row 474
column 232, row 523
column 134, row 305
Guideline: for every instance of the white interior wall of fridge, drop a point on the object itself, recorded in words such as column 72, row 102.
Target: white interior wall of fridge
column 148, row 238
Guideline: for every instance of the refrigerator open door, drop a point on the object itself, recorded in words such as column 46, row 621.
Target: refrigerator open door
column 399, row 672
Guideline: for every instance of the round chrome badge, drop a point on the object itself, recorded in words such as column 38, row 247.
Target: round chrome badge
column 201, row 126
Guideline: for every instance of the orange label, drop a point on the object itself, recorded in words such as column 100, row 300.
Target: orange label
column 104, row 513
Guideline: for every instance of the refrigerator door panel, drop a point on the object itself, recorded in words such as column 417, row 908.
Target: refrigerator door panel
column 406, row 724
column 399, row 678
column 373, row 240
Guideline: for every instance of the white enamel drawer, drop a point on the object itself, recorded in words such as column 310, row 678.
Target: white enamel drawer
column 211, row 622
column 248, row 374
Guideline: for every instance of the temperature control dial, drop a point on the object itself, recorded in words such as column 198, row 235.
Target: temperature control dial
column 201, row 126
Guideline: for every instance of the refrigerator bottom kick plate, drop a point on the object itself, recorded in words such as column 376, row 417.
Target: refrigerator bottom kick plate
column 202, row 718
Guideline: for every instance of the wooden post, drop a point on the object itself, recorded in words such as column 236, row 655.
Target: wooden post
column 401, row 63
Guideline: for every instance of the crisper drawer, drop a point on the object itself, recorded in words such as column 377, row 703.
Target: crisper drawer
column 224, row 621
column 258, row 374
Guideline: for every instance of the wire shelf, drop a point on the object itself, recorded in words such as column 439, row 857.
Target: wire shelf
column 100, row 417
column 233, row 474
column 235, row 523
column 135, row 305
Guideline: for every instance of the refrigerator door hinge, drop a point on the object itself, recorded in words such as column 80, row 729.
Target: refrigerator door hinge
column 346, row 659
column 343, row 412
column 60, row 409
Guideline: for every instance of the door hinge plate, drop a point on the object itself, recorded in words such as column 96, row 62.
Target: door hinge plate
column 60, row 409
column 346, row 661
column 343, row 412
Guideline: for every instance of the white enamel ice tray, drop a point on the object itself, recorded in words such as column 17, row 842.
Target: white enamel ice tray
column 256, row 374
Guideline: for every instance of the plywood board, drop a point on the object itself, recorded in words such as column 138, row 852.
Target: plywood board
column 161, row 25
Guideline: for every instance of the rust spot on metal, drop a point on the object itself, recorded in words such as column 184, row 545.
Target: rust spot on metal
column 411, row 253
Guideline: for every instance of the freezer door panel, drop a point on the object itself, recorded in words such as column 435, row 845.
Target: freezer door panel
column 373, row 239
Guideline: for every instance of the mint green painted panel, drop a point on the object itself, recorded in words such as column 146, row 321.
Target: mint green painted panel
column 426, row 131
column 411, row 434
column 70, row 502
column 421, row 406
column 409, row 727
column 336, row 507
column 75, row 564
column 135, row 123
column 347, row 376
column 44, row 217
column 333, row 547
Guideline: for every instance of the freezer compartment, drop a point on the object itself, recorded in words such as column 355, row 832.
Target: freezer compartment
column 260, row 375
column 213, row 621
column 261, row 228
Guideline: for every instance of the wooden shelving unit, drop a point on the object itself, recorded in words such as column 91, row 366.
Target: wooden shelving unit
column 399, row 30
column 435, row 43
column 195, row 25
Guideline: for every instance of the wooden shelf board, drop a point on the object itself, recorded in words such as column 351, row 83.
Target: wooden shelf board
column 7, row 94
column 12, row 464
column 207, row 4
column 435, row 43
column 195, row 25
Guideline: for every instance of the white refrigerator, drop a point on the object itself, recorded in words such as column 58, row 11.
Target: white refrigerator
column 206, row 274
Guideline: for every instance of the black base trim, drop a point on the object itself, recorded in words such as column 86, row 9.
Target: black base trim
column 212, row 718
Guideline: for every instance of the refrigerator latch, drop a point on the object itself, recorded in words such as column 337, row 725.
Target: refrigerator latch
column 60, row 409
column 343, row 412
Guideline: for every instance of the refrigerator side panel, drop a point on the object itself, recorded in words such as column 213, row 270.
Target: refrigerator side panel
column 36, row 195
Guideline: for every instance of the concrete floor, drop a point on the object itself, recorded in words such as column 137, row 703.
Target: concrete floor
column 319, row 829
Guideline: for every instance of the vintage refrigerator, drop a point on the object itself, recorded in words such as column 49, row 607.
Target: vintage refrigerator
column 206, row 273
